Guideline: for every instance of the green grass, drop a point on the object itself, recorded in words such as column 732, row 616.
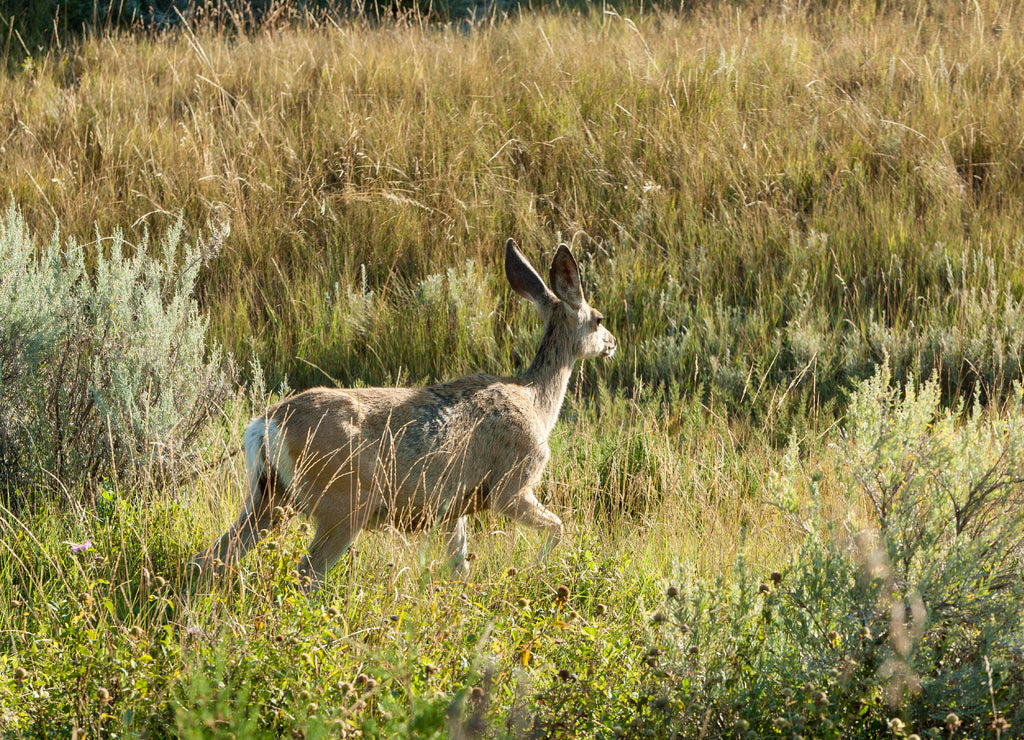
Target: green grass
column 769, row 204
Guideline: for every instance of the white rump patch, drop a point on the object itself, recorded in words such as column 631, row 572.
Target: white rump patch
column 265, row 443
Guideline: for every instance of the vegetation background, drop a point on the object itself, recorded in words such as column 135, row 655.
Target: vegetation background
column 794, row 496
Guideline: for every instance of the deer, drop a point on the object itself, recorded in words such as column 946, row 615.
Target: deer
column 418, row 458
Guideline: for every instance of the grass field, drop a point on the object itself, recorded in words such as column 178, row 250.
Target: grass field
column 793, row 217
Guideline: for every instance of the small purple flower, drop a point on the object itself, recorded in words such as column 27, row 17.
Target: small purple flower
column 81, row 547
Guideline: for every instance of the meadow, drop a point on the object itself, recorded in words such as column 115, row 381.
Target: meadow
column 793, row 497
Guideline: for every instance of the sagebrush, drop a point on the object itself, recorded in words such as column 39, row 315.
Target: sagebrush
column 106, row 369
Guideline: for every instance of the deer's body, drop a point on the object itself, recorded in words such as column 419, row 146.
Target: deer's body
column 417, row 458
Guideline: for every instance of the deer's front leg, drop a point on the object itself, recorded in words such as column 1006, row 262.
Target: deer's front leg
column 524, row 508
column 455, row 545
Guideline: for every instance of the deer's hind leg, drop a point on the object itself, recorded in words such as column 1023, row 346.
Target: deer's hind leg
column 340, row 515
column 254, row 520
column 329, row 543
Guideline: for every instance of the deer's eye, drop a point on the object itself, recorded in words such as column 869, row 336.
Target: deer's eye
column 598, row 320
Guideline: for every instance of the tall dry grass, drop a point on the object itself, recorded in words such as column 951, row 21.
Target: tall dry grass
column 801, row 190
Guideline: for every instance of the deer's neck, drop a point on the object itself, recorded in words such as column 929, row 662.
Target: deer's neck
column 548, row 375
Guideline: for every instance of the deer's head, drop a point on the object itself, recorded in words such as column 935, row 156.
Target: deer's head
column 563, row 307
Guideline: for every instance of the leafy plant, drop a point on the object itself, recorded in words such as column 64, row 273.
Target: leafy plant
column 893, row 625
column 105, row 368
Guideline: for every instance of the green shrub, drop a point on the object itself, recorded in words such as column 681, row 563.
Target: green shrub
column 874, row 631
column 105, row 369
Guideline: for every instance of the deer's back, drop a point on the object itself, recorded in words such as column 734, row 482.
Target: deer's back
column 418, row 449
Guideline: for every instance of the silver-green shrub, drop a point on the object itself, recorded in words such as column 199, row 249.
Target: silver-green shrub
column 105, row 366
column 886, row 622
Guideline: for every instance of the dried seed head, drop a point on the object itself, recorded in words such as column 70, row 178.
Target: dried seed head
column 565, row 674
column 304, row 695
column 896, row 726
column 470, row 557
column 523, row 602
column 821, row 699
column 776, row 577
column 345, row 688
column 334, row 612
column 659, row 618
column 477, row 694
column 694, row 650
column 20, row 674
column 562, row 594
column 572, row 614
column 1000, row 724
column 429, row 669
column 371, row 684
column 159, row 581
column 600, row 610
column 672, row 592
column 359, row 706
column 764, row 588
column 952, row 721
column 513, row 572
column 361, row 680
column 103, row 695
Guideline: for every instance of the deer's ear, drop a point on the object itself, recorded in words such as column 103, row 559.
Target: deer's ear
column 523, row 278
column 565, row 277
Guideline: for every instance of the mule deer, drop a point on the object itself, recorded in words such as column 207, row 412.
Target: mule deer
column 414, row 458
